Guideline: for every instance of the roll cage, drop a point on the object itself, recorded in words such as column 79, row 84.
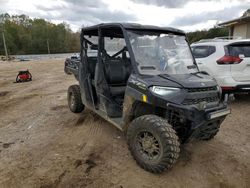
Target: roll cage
column 119, row 30
column 103, row 77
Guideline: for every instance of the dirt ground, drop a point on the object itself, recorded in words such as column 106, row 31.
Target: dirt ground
column 43, row 144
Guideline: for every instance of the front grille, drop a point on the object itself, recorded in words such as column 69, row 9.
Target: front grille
column 198, row 95
column 194, row 90
column 198, row 100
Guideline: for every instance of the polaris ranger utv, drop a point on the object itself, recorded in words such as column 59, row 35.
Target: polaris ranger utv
column 144, row 80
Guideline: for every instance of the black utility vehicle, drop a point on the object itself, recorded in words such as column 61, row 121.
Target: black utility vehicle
column 144, row 80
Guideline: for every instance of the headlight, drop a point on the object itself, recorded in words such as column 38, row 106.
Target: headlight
column 164, row 90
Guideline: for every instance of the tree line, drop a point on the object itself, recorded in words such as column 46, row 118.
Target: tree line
column 207, row 34
column 24, row 35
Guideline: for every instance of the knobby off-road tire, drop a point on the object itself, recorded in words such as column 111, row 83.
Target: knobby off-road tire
column 209, row 132
column 74, row 99
column 153, row 143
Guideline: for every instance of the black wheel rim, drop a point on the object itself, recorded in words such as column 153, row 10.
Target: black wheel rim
column 148, row 146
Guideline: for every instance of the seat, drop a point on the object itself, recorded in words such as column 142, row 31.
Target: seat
column 117, row 72
column 91, row 66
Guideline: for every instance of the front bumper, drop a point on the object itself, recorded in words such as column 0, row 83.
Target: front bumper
column 219, row 113
column 201, row 119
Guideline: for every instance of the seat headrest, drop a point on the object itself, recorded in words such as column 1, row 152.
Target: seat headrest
column 116, row 71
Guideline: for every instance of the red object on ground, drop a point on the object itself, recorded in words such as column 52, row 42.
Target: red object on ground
column 24, row 76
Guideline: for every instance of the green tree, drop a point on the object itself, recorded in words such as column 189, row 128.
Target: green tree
column 32, row 36
column 207, row 34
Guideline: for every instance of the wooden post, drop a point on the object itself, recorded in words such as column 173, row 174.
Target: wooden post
column 48, row 46
column 5, row 48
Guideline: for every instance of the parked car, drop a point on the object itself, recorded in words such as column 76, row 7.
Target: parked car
column 228, row 61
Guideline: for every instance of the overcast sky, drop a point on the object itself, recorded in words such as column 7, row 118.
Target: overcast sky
column 188, row 15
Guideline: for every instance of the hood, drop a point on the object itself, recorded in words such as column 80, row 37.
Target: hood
column 197, row 80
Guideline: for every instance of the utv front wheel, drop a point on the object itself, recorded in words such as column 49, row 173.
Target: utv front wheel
column 153, row 143
column 74, row 99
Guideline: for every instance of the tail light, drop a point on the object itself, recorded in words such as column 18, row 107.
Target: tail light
column 228, row 60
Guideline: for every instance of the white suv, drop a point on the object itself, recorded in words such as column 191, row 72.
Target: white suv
column 228, row 61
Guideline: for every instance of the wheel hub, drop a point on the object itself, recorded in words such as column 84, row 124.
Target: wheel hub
column 148, row 145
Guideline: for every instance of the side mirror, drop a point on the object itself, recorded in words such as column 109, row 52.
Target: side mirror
column 94, row 47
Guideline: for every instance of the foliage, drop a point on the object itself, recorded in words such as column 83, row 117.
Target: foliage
column 33, row 36
column 207, row 34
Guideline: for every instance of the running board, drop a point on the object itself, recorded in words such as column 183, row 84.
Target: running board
column 117, row 122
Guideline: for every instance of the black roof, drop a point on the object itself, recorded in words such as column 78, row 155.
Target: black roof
column 135, row 26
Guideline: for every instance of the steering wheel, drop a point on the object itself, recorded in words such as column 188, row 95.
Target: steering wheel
column 163, row 62
column 175, row 64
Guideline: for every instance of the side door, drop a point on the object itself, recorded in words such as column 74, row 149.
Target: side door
column 89, row 58
column 113, row 70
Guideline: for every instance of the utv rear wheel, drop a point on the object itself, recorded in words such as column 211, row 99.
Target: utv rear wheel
column 153, row 143
column 74, row 99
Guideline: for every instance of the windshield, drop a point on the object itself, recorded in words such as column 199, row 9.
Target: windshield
column 161, row 53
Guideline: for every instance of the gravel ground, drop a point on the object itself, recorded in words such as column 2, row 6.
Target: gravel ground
column 43, row 144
